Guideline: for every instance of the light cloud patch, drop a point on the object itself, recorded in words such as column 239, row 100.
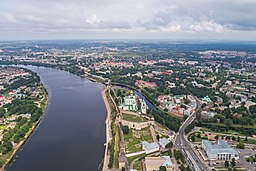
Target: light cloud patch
column 129, row 19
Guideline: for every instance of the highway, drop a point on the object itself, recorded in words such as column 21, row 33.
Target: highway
column 182, row 144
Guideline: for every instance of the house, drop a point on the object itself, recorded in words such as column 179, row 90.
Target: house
column 154, row 163
column 141, row 83
column 11, row 125
column 163, row 142
column 149, row 147
column 206, row 100
column 2, row 97
column 208, row 114
column 170, row 85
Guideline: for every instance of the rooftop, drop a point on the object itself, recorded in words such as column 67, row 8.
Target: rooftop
column 149, row 146
column 220, row 147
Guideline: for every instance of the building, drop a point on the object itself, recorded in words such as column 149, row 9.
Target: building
column 122, row 161
column 154, row 163
column 219, row 151
column 143, row 84
column 206, row 99
column 149, row 147
column 143, row 106
column 130, row 103
column 137, row 125
column 163, row 142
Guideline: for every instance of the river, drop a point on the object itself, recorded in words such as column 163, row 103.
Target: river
column 71, row 135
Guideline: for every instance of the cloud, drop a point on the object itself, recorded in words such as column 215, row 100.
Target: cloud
column 208, row 26
column 132, row 17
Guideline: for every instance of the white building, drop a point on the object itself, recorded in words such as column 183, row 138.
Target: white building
column 219, row 151
column 143, row 106
column 163, row 142
column 130, row 103
column 149, row 147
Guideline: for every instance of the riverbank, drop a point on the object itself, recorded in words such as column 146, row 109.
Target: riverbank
column 108, row 129
column 44, row 105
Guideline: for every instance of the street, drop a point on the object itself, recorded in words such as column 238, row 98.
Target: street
column 182, row 144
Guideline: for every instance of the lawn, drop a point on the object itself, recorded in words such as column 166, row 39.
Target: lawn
column 132, row 118
column 130, row 159
column 3, row 126
column 230, row 132
column 196, row 138
column 117, row 146
column 137, row 165
column 133, row 139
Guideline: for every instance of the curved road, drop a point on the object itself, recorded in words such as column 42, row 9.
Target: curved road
column 187, row 150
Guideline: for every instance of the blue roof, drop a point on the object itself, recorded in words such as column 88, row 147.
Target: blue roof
column 220, row 147
column 149, row 146
column 163, row 142
column 167, row 161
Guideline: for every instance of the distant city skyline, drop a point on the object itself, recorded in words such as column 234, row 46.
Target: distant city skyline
column 130, row 19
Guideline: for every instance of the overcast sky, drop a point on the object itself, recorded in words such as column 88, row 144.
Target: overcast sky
column 128, row 19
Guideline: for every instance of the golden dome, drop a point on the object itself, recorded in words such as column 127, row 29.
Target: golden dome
column 131, row 92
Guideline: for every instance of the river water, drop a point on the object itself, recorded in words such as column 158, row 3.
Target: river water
column 71, row 135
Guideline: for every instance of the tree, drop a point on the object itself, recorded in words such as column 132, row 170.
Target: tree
column 233, row 138
column 125, row 129
column 238, row 139
column 157, row 137
column 1, row 162
column 226, row 164
column 2, row 112
column 240, row 145
column 227, row 138
column 170, row 153
column 188, row 168
column 169, row 145
column 233, row 162
column 162, row 168
column 229, row 122
column 7, row 147
column 192, row 138
column 182, row 167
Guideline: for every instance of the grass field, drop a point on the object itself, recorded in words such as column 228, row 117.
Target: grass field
column 137, row 165
column 130, row 159
column 132, row 118
column 117, row 146
column 134, row 138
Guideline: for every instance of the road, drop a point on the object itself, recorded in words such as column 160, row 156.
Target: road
column 182, row 144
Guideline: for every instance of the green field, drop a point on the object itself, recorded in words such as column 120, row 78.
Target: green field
column 132, row 118
column 130, row 159
column 133, row 139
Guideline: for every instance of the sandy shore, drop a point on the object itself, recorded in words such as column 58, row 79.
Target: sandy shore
column 108, row 130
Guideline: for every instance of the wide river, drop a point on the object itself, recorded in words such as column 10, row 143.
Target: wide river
column 71, row 135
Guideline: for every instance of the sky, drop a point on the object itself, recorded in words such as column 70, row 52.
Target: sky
column 128, row 19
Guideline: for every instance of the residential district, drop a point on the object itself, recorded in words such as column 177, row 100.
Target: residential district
column 22, row 102
column 170, row 106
